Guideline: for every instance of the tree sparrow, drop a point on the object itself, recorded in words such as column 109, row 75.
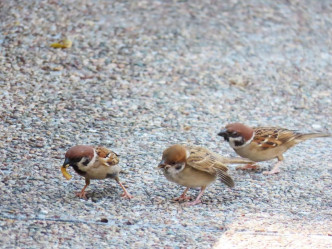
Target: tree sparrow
column 93, row 163
column 193, row 166
column 263, row 143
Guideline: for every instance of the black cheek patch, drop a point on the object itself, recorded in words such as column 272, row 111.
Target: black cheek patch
column 86, row 162
column 239, row 143
column 78, row 171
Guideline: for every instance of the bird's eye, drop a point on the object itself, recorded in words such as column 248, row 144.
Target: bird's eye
column 172, row 163
column 178, row 167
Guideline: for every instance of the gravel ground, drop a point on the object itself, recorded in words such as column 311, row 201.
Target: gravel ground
column 140, row 76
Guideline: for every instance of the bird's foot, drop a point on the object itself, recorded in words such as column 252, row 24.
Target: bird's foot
column 275, row 169
column 182, row 198
column 193, row 203
column 82, row 195
column 248, row 167
column 272, row 172
column 127, row 195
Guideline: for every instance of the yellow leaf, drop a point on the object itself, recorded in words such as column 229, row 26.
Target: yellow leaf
column 64, row 43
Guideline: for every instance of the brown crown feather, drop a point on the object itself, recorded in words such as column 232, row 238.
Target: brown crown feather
column 80, row 151
column 245, row 131
column 176, row 153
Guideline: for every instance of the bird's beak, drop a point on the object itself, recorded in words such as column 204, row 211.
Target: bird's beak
column 223, row 133
column 66, row 163
column 162, row 164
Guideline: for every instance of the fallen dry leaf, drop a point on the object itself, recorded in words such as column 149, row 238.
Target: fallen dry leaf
column 64, row 43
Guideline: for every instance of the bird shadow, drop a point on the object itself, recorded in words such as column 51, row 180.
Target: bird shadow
column 96, row 195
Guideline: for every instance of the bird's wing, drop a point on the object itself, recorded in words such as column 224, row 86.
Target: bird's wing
column 272, row 137
column 204, row 160
column 106, row 156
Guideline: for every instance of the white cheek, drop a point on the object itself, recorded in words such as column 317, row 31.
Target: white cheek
column 232, row 141
column 84, row 167
column 80, row 163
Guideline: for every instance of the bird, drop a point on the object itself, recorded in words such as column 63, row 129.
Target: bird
column 93, row 163
column 194, row 166
column 263, row 143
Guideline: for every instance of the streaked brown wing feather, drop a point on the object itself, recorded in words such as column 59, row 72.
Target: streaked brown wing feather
column 210, row 162
column 272, row 137
column 106, row 156
column 286, row 136
column 102, row 152
column 202, row 159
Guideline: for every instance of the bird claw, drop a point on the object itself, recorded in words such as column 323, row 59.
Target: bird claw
column 193, row 203
column 248, row 167
column 272, row 172
column 127, row 195
column 275, row 169
column 82, row 195
column 182, row 198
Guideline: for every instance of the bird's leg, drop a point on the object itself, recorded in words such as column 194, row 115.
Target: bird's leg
column 82, row 193
column 249, row 166
column 275, row 169
column 198, row 198
column 125, row 192
column 183, row 196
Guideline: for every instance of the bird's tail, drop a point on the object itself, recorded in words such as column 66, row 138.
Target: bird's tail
column 231, row 160
column 302, row 137
column 234, row 160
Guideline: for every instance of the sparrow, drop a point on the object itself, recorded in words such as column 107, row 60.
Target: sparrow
column 193, row 166
column 93, row 163
column 263, row 143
